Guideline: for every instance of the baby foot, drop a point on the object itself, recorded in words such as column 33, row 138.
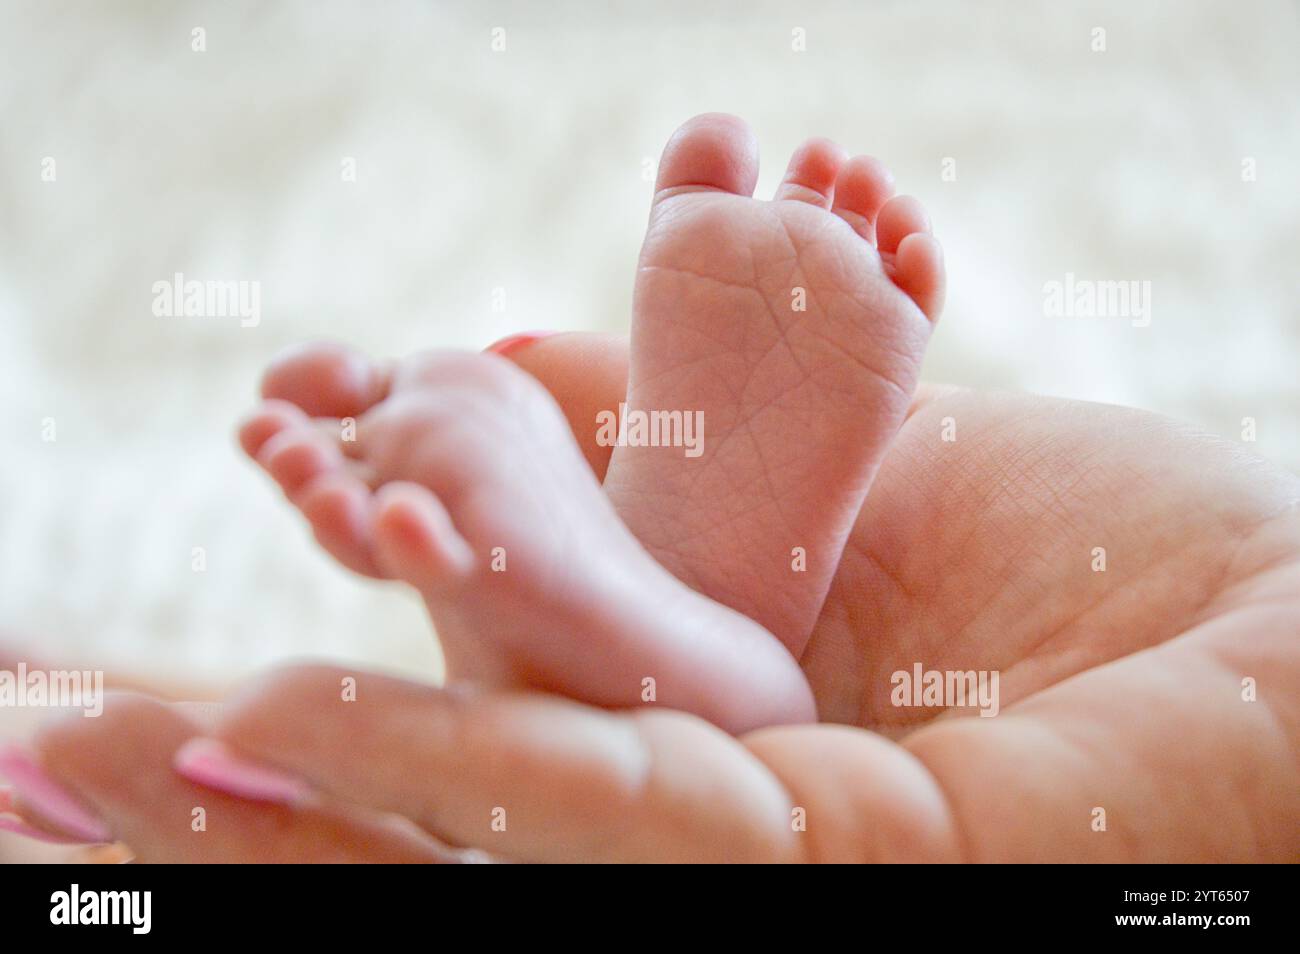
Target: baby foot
column 464, row 480
column 797, row 327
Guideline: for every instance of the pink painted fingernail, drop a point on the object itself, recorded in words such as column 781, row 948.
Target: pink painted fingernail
column 19, row 827
column 48, row 798
column 209, row 762
column 514, row 342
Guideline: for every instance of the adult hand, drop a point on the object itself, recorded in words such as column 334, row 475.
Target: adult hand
column 1135, row 583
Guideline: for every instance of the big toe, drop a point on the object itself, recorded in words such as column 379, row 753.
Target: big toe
column 714, row 151
column 326, row 380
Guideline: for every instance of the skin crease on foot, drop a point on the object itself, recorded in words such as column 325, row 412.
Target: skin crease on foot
column 800, row 404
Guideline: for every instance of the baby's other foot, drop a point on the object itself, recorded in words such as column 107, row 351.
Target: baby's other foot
column 465, row 481
column 795, row 330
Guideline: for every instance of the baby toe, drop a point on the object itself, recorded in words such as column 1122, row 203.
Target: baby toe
column 415, row 539
column 900, row 217
column 862, row 188
column 919, row 271
column 714, row 151
column 296, row 456
column 812, row 172
column 326, row 380
column 340, row 509
column 266, row 422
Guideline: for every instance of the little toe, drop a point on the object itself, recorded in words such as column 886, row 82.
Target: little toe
column 712, row 152
column 297, row 456
column 415, row 540
column 326, row 380
column 900, row 217
column 340, row 509
column 812, row 172
column 919, row 271
column 864, row 185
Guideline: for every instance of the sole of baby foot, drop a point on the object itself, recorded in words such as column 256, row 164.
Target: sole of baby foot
column 791, row 332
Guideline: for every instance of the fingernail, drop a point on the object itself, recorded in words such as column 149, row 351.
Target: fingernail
column 19, row 827
column 209, row 762
column 514, row 342
column 48, row 798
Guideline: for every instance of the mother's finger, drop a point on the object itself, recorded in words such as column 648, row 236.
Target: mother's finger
column 526, row 776
column 586, row 373
column 120, row 767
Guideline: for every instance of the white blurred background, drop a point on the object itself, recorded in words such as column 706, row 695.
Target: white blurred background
column 523, row 170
